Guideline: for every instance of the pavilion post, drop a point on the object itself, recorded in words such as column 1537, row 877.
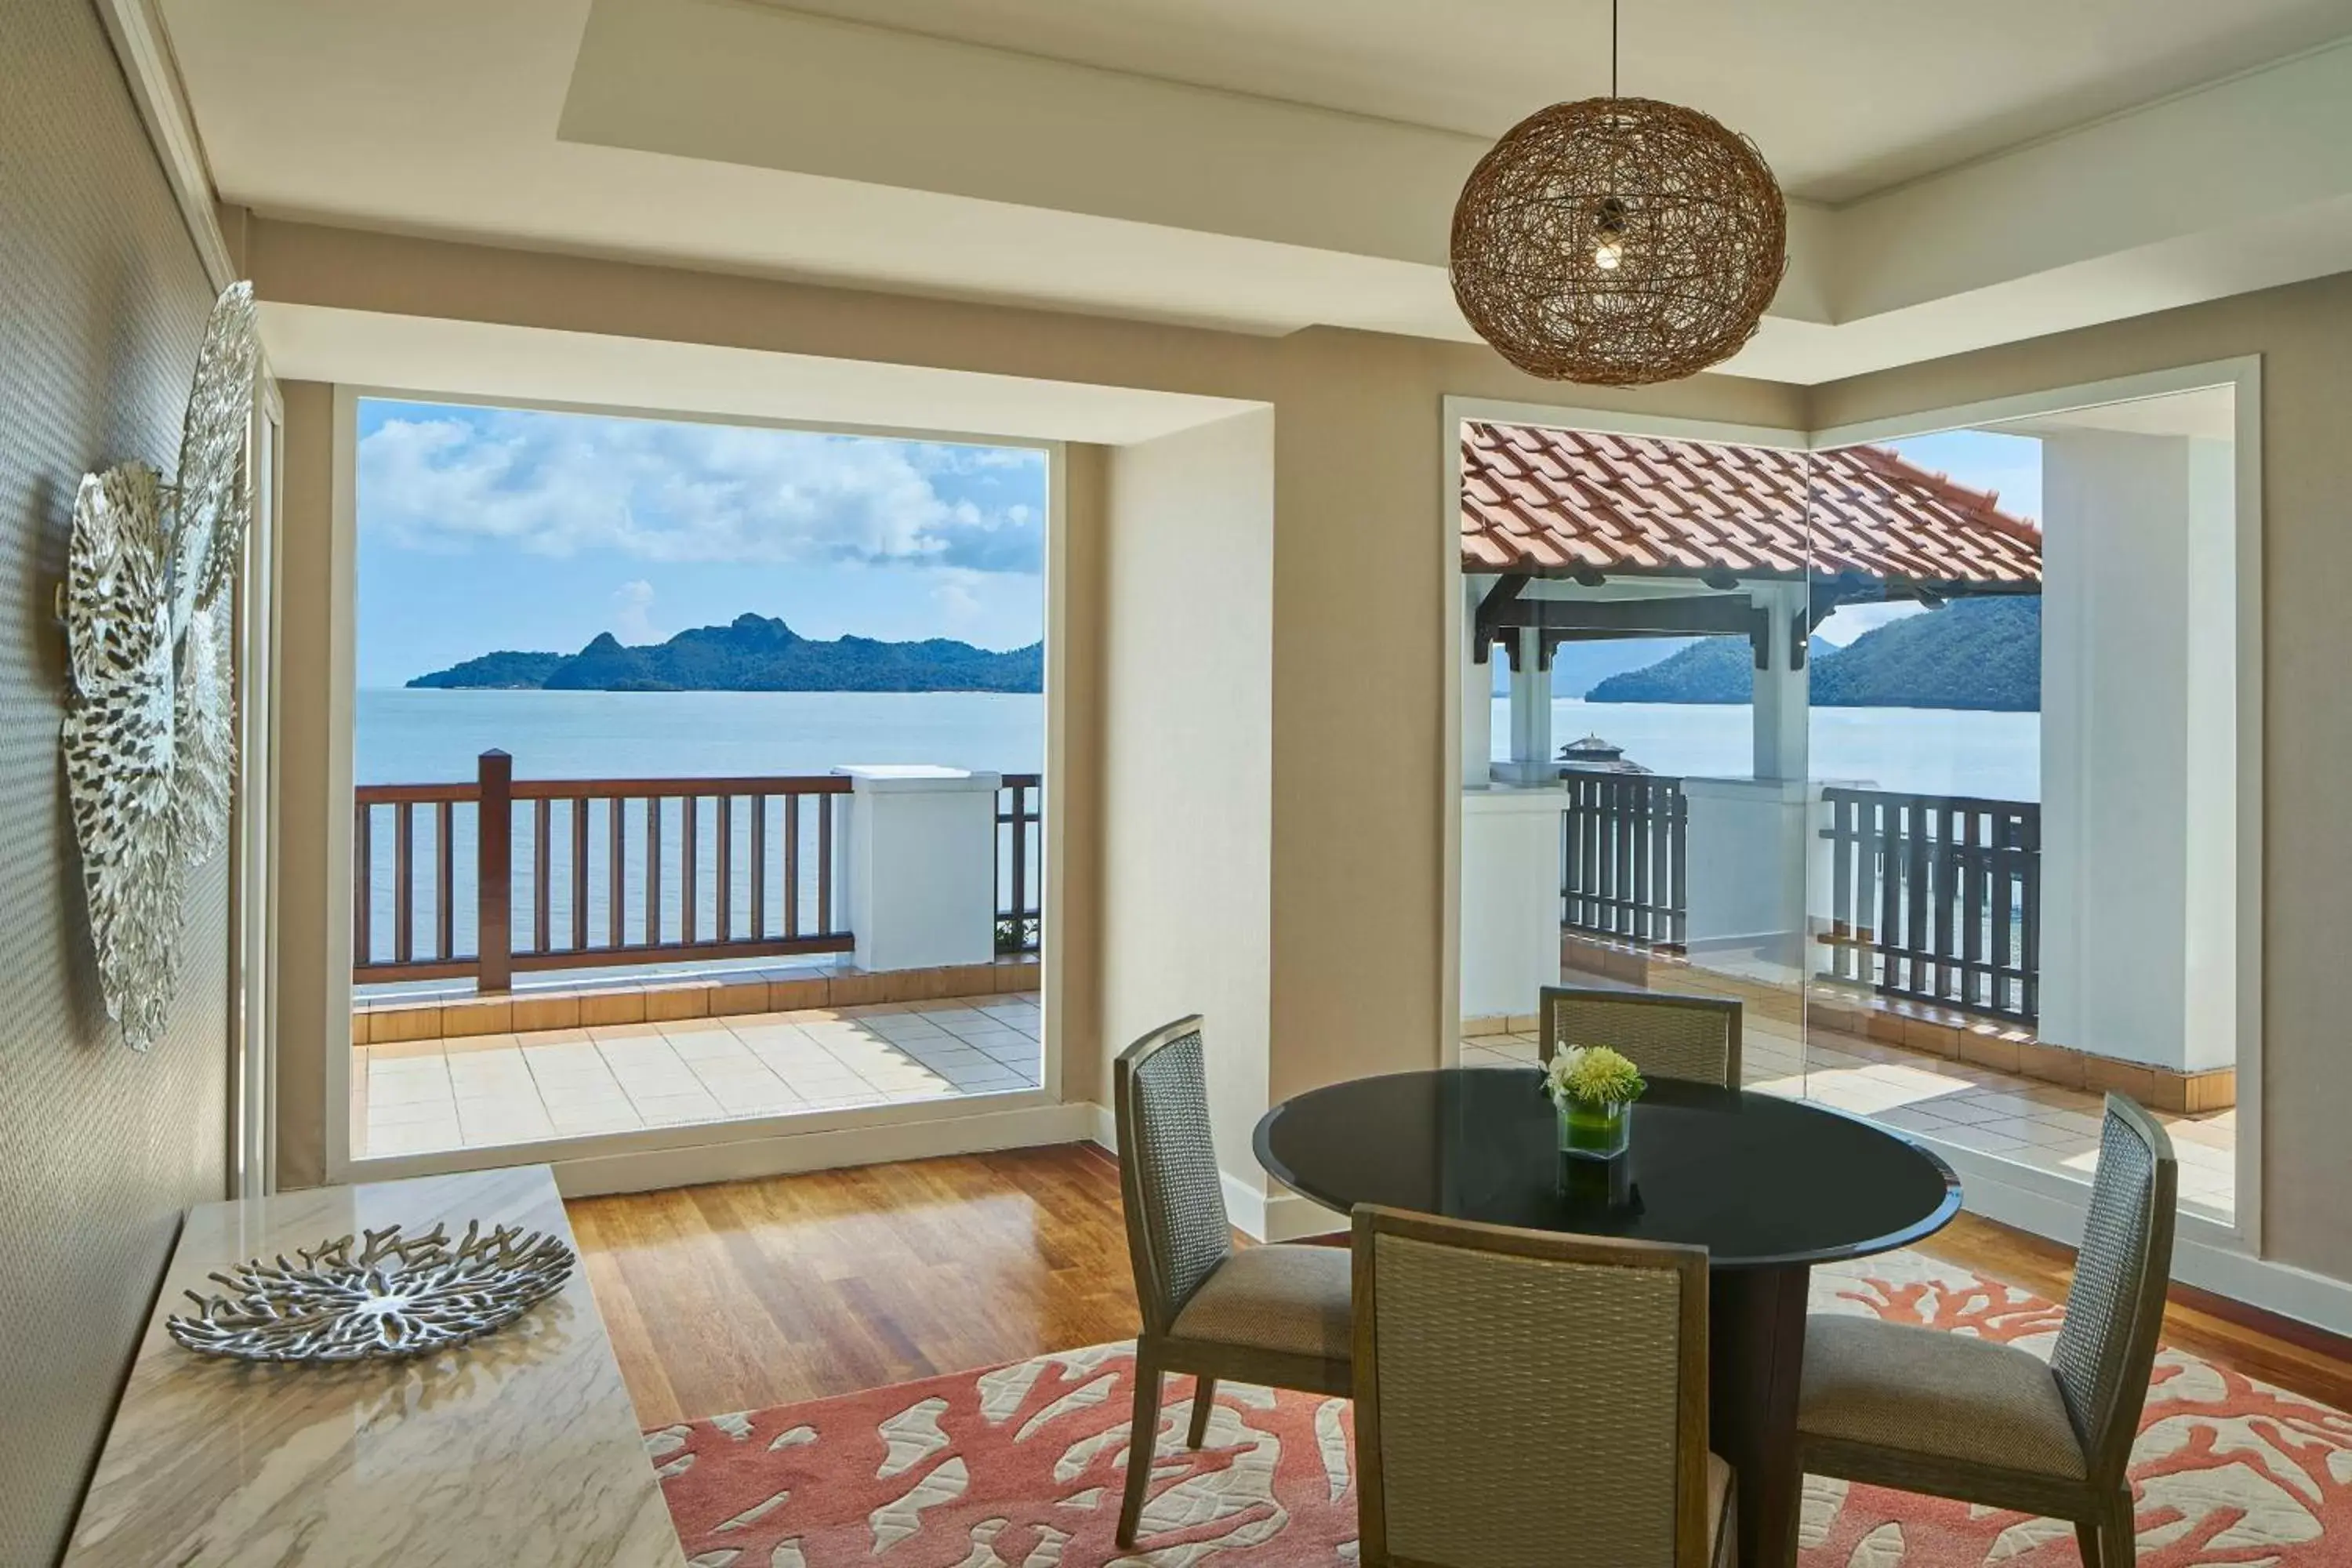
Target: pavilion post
column 1531, row 759
column 1782, row 714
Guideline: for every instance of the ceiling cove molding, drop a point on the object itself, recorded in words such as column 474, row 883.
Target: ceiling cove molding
column 767, row 88
column 2260, row 147
column 144, row 50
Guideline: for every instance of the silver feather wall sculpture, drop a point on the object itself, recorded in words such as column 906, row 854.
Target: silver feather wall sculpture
column 149, row 736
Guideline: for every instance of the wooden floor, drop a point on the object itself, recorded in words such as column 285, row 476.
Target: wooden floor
column 749, row 1294
column 746, row 1294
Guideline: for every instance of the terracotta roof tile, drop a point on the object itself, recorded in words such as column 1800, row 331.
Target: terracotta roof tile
column 1549, row 501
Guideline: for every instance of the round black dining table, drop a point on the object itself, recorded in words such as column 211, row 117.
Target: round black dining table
column 1768, row 1186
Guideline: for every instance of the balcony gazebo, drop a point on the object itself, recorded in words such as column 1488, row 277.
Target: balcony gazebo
column 2068, row 922
column 1573, row 536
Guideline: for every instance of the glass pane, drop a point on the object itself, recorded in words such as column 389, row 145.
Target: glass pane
column 635, row 651
column 1633, row 809
column 2021, row 884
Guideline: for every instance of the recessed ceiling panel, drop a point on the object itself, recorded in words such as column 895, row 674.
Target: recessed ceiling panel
column 1845, row 97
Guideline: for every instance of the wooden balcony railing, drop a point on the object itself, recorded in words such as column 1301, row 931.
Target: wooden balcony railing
column 1936, row 898
column 500, row 876
column 1622, row 858
column 548, row 874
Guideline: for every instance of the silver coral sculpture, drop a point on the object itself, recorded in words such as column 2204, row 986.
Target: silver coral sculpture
column 149, row 735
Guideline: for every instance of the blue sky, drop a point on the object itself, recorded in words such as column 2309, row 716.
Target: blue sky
column 498, row 528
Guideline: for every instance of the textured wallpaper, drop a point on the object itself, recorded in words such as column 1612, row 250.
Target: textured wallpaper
column 102, row 304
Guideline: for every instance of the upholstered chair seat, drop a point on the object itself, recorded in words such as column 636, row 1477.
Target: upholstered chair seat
column 1292, row 1300
column 1693, row 1037
column 1276, row 1315
column 1894, row 1406
column 1938, row 1395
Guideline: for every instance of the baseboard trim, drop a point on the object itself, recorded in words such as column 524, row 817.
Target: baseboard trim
column 653, row 1169
column 1290, row 1217
column 1992, row 1188
column 733, row 1155
column 1277, row 1215
column 1245, row 1206
column 1274, row 1215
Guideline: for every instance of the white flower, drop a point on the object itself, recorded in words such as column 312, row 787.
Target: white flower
column 1594, row 1075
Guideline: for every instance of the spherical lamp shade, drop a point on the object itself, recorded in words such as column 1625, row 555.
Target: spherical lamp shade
column 1619, row 241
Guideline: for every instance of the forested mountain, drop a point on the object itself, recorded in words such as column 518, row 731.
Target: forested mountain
column 1983, row 653
column 755, row 653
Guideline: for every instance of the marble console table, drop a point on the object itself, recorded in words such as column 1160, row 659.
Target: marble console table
column 519, row 1449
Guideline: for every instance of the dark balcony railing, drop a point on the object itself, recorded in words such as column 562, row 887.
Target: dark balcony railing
column 1622, row 858
column 1937, row 898
column 585, row 873
column 1020, row 851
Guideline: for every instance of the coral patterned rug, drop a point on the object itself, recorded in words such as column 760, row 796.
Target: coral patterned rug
column 1020, row 1467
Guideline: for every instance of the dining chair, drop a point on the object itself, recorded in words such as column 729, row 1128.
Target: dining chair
column 1672, row 1037
column 1276, row 1315
column 1526, row 1397
column 1921, row 1410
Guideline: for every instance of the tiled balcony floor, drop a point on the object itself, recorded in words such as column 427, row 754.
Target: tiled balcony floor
column 488, row 1091
column 1972, row 1107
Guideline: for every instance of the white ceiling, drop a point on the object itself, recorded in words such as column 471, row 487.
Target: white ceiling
column 1845, row 97
column 1267, row 167
column 2209, row 414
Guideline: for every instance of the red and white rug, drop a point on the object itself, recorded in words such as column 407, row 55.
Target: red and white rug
column 1020, row 1467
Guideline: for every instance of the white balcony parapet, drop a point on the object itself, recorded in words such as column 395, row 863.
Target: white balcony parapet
column 920, row 865
column 1510, row 904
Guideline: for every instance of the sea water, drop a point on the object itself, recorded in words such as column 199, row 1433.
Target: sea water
column 436, row 737
column 432, row 737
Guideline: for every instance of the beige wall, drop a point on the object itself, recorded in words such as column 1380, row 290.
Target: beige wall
column 2303, row 334
column 1074, row 949
column 1358, row 798
column 1187, row 756
column 307, row 606
column 102, row 307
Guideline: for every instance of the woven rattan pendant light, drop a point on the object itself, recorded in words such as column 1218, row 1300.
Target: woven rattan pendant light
column 1618, row 241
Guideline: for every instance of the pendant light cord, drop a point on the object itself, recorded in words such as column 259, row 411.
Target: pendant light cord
column 1612, row 48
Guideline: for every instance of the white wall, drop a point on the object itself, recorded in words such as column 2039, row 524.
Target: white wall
column 2211, row 881
column 1745, row 871
column 2138, row 817
column 1188, row 717
column 1510, row 899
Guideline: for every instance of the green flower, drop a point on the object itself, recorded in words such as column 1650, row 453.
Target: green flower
column 1592, row 1075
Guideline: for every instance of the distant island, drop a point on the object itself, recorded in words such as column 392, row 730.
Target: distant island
column 1983, row 654
column 755, row 653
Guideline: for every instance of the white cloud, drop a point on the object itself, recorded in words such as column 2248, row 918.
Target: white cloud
column 1852, row 620
column 959, row 606
column 560, row 485
column 631, row 618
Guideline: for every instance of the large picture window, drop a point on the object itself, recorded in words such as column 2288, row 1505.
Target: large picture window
column 697, row 774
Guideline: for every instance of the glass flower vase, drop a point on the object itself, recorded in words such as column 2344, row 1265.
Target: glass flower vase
column 1593, row 1129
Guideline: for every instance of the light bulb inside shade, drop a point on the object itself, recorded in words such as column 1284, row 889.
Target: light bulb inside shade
column 1609, row 234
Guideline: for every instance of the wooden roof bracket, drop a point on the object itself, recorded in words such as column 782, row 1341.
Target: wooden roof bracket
column 1489, row 624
